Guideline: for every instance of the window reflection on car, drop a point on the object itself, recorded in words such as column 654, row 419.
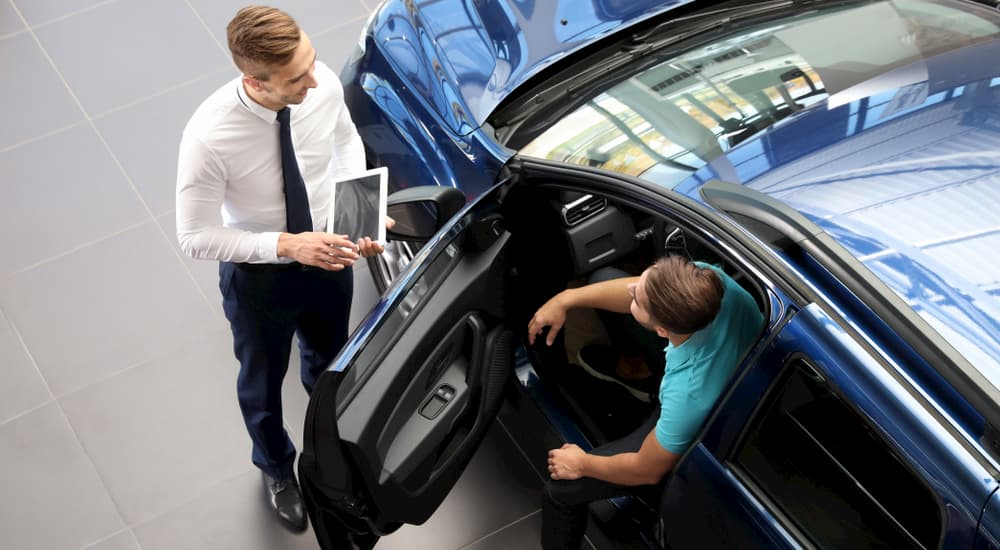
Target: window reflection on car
column 673, row 117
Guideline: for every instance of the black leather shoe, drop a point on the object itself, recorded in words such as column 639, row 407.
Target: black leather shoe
column 286, row 499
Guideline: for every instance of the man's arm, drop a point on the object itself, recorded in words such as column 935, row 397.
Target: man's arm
column 646, row 466
column 609, row 295
column 201, row 187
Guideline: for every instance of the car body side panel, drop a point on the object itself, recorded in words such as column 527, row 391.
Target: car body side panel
column 989, row 525
column 695, row 517
column 959, row 481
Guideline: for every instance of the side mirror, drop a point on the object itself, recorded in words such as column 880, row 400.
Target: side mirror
column 420, row 211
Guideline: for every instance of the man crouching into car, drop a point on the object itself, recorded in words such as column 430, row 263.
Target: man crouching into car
column 708, row 320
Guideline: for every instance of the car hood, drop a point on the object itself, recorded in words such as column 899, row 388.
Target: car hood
column 465, row 57
column 905, row 174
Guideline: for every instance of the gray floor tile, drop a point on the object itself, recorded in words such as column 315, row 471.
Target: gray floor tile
column 22, row 388
column 129, row 49
column 231, row 516
column 10, row 22
column 165, row 432
column 40, row 11
column 52, row 207
column 524, row 534
column 53, row 497
column 334, row 46
column 145, row 137
column 42, row 102
column 313, row 17
column 495, row 490
column 107, row 306
column 205, row 272
column 124, row 540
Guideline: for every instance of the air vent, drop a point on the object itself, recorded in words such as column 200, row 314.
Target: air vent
column 582, row 208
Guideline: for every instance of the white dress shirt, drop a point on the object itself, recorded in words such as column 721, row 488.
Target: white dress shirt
column 230, row 192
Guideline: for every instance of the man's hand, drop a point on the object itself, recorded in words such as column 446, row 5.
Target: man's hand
column 552, row 314
column 323, row 250
column 368, row 247
column 567, row 462
column 645, row 466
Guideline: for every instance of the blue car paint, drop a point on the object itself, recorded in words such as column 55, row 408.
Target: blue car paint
column 420, row 102
column 449, row 69
column 464, row 57
column 401, row 134
column 989, row 530
column 879, row 396
column 428, row 106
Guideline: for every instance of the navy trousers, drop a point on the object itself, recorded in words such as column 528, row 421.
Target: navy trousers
column 265, row 305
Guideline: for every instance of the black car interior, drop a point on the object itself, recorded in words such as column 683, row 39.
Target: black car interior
column 559, row 237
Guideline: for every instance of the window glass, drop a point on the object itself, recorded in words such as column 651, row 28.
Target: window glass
column 833, row 475
column 670, row 112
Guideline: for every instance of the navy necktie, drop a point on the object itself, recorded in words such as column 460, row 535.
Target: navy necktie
column 297, row 213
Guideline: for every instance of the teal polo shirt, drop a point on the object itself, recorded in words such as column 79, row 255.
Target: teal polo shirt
column 698, row 369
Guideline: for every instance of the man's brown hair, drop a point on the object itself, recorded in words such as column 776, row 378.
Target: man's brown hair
column 683, row 297
column 262, row 39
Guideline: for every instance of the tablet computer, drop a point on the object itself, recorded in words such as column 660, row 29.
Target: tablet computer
column 357, row 205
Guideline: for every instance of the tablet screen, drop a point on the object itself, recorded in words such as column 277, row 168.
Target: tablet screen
column 358, row 206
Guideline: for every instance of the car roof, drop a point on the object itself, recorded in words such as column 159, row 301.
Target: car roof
column 906, row 178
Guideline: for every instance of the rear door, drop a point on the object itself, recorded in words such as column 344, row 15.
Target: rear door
column 393, row 423
column 819, row 445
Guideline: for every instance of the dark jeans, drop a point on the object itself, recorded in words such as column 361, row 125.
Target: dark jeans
column 564, row 503
column 265, row 305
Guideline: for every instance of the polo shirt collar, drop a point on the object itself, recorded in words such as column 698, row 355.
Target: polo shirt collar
column 265, row 114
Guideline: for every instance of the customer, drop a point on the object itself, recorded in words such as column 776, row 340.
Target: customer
column 253, row 189
column 709, row 321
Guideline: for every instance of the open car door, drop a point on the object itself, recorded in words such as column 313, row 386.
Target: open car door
column 392, row 424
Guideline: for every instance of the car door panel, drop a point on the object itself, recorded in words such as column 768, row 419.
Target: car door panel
column 823, row 354
column 702, row 483
column 389, row 433
column 989, row 526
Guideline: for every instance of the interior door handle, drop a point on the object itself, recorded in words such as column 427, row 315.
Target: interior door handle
column 435, row 404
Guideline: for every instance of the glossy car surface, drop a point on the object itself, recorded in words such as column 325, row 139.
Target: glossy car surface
column 839, row 158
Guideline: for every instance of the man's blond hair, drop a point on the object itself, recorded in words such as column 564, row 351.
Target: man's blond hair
column 261, row 39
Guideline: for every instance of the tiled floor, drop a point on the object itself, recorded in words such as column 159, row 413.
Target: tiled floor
column 119, row 428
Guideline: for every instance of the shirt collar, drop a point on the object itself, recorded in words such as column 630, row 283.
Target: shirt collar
column 265, row 114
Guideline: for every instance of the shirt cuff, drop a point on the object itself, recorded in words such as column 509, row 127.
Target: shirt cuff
column 267, row 246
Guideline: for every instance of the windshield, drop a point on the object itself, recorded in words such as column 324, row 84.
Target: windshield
column 675, row 108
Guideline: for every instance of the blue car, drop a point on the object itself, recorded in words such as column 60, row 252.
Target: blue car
column 841, row 160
